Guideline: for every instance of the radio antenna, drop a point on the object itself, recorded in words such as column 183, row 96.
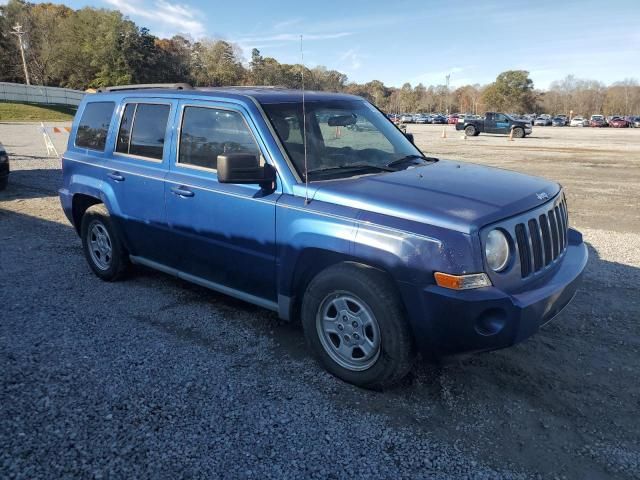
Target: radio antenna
column 304, row 131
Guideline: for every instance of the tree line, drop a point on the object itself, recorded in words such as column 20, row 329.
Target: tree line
column 91, row 48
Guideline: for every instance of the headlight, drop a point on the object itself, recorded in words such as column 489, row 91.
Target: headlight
column 497, row 250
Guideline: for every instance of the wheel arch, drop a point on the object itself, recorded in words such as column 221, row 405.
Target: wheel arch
column 311, row 262
column 79, row 204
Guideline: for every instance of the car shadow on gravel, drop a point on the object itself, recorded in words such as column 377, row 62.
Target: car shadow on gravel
column 34, row 183
column 563, row 402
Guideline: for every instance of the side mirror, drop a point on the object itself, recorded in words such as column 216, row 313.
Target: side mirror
column 409, row 136
column 244, row 168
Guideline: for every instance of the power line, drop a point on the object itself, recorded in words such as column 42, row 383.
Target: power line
column 18, row 32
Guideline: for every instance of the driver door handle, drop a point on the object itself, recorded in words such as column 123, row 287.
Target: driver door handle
column 182, row 191
column 115, row 176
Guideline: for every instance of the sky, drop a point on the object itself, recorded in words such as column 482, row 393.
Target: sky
column 415, row 41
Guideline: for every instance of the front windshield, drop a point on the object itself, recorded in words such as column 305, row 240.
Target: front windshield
column 344, row 138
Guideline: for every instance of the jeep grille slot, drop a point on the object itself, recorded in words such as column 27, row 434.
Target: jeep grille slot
column 543, row 239
column 536, row 244
column 523, row 249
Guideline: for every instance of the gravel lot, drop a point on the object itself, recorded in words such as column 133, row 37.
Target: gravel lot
column 154, row 377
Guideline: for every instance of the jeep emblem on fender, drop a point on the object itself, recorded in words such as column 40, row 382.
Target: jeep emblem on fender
column 542, row 196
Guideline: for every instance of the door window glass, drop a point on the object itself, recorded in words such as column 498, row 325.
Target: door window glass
column 209, row 132
column 124, row 134
column 142, row 130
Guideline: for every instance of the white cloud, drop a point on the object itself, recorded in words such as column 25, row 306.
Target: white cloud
column 173, row 17
column 293, row 37
column 287, row 24
column 351, row 59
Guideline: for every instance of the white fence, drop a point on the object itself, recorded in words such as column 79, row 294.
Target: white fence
column 17, row 92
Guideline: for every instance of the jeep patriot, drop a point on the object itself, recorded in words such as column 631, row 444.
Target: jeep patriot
column 324, row 212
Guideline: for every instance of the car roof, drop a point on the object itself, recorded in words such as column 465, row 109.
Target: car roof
column 264, row 95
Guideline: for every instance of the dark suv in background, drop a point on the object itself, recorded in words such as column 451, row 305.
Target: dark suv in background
column 323, row 211
column 4, row 167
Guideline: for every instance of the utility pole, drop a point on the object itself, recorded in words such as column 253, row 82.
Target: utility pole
column 448, row 77
column 18, row 32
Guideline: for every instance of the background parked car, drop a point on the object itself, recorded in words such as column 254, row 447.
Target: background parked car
column 618, row 122
column 558, row 122
column 635, row 122
column 406, row 118
column 4, row 168
column 579, row 122
column 453, row 119
column 598, row 121
column 542, row 121
column 421, row 118
column 440, row 119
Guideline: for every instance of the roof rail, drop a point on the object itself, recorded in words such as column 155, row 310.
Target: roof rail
column 247, row 87
column 145, row 86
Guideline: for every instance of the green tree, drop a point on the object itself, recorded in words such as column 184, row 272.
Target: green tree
column 511, row 92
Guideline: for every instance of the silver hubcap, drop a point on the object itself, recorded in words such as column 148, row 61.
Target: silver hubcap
column 348, row 331
column 100, row 245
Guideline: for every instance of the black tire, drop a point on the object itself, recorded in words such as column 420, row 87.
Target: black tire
column 518, row 132
column 371, row 287
column 3, row 183
column 115, row 264
column 470, row 131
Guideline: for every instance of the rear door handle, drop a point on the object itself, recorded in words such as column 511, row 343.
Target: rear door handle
column 116, row 177
column 182, row 192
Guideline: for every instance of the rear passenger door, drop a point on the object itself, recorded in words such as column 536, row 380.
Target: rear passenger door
column 224, row 233
column 136, row 171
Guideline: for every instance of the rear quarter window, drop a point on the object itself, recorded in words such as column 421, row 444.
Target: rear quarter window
column 94, row 125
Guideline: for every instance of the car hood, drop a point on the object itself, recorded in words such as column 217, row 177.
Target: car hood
column 459, row 196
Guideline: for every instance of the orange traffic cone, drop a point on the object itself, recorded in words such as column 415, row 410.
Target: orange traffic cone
column 444, row 133
column 510, row 135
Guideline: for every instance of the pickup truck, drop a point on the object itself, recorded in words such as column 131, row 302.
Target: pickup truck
column 494, row 122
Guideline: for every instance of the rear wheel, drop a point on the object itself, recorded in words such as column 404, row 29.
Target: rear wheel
column 470, row 131
column 102, row 247
column 355, row 325
column 518, row 132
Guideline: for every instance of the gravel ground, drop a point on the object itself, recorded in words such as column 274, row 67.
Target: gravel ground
column 155, row 378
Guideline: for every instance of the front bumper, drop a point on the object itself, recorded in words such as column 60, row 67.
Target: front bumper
column 528, row 131
column 488, row 318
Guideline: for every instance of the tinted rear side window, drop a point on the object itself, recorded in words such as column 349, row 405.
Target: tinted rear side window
column 94, row 125
column 142, row 130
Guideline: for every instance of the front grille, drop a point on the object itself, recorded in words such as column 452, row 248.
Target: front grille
column 542, row 239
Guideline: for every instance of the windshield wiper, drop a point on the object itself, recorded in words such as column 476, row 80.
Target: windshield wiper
column 353, row 166
column 402, row 160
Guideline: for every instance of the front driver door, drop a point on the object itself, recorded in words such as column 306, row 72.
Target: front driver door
column 223, row 233
column 500, row 124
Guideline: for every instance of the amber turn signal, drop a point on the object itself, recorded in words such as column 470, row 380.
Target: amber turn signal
column 462, row 282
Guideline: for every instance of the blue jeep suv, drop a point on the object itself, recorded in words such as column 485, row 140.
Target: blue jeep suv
column 319, row 208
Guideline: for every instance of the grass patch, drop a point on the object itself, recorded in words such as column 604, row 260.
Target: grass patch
column 25, row 112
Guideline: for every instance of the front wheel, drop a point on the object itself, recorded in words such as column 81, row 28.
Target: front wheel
column 518, row 132
column 355, row 325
